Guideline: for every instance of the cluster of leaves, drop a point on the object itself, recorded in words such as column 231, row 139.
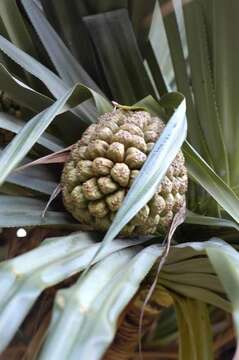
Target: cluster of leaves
column 64, row 64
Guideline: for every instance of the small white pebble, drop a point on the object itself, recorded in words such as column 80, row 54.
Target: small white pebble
column 21, row 233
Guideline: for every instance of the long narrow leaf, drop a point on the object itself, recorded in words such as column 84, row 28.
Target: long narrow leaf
column 40, row 180
column 140, row 15
column 68, row 23
column 159, row 42
column 32, row 182
column 206, row 177
column 116, row 46
column 89, row 316
column 67, row 66
column 17, row 29
column 197, row 219
column 202, row 85
column 22, row 93
column 63, row 316
column 10, row 123
column 16, row 26
column 18, row 211
column 25, row 277
column 180, row 69
column 35, row 101
column 225, row 60
column 55, row 85
column 155, row 69
column 226, row 264
column 195, row 335
column 197, row 167
column 115, row 293
column 23, row 142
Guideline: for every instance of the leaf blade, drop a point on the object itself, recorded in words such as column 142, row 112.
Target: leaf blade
column 55, row 85
column 207, row 178
column 115, row 43
column 68, row 68
column 34, row 128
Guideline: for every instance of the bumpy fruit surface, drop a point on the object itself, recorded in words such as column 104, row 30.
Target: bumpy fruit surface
column 103, row 165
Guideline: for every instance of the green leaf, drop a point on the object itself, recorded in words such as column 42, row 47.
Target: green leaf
column 31, row 182
column 119, row 56
column 23, row 212
column 23, row 142
column 159, row 43
column 203, row 89
column 140, row 15
column 90, row 315
column 155, row 70
column 178, row 9
column 226, row 263
column 166, row 330
column 189, row 265
column 118, row 278
column 34, row 128
column 225, row 71
column 198, row 293
column 35, row 101
column 153, row 106
column 206, row 281
column 39, row 179
column 4, row 60
column 104, row 6
column 68, row 23
column 195, row 334
column 197, row 167
column 16, row 27
column 17, row 30
column 22, row 93
column 187, row 254
column 176, row 46
column 55, row 85
column 66, row 65
column 25, row 277
column 10, row 123
column 200, row 171
column 24, row 203
column 32, row 218
column 80, row 294
column 196, row 219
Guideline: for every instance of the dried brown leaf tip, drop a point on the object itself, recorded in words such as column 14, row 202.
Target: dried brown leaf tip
column 103, row 165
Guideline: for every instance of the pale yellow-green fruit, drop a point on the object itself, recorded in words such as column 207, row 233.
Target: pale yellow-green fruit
column 103, row 165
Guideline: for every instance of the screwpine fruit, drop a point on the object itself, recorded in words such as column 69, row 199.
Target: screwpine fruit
column 103, row 165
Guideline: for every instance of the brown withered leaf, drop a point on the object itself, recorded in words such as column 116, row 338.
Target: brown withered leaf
column 57, row 157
